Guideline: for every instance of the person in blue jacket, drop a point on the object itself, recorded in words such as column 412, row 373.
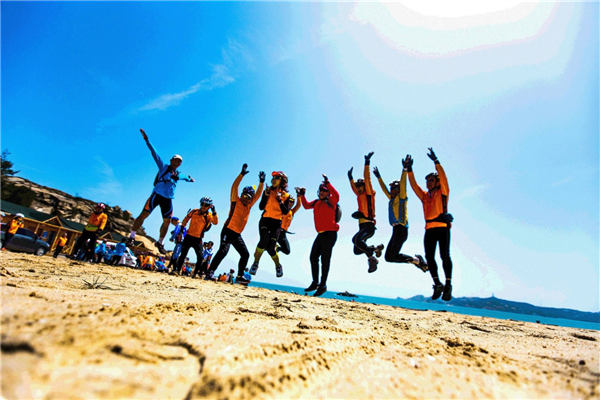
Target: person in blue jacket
column 117, row 253
column 177, row 235
column 162, row 194
column 100, row 251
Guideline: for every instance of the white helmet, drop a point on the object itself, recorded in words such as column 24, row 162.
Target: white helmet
column 177, row 157
column 19, row 215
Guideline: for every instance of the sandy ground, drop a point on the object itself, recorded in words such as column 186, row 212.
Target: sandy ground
column 150, row 335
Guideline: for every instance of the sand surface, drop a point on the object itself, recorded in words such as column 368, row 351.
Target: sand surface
column 150, row 335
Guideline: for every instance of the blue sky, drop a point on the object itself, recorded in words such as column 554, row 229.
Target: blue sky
column 507, row 94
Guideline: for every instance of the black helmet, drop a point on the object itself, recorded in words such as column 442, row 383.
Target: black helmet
column 394, row 185
column 248, row 191
column 206, row 201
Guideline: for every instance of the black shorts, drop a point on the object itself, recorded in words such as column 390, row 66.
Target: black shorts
column 166, row 205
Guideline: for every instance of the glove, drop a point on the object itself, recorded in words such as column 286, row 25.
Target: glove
column 144, row 134
column 350, row 173
column 432, row 155
column 244, row 169
column 213, row 210
column 368, row 158
column 300, row 191
column 325, row 179
column 407, row 163
column 376, row 173
column 261, row 176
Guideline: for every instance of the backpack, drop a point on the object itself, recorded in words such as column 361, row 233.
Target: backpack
column 338, row 213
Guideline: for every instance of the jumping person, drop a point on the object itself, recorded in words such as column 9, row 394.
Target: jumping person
column 231, row 235
column 177, row 235
column 95, row 225
column 12, row 228
column 325, row 211
column 398, row 220
column 200, row 220
column 438, row 223
column 162, row 194
column 62, row 241
column 274, row 205
column 365, row 195
column 283, row 245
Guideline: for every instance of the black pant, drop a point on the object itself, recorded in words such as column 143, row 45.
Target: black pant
column 282, row 241
column 228, row 238
column 432, row 237
column 7, row 238
column 392, row 253
column 201, row 268
column 189, row 242
column 322, row 247
column 269, row 229
column 365, row 231
column 91, row 244
column 57, row 251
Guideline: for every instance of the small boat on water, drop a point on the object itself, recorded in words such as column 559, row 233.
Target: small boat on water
column 347, row 294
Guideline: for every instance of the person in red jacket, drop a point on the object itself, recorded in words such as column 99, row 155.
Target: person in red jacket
column 325, row 208
column 438, row 223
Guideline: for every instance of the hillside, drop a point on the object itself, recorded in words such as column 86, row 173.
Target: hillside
column 496, row 304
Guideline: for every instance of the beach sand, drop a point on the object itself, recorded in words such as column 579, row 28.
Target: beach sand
column 150, row 335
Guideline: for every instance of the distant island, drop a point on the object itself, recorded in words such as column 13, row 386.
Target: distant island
column 346, row 294
column 496, row 304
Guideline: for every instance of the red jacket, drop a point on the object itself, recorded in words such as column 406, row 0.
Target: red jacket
column 324, row 211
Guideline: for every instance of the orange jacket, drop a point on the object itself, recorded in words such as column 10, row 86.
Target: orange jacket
column 14, row 226
column 62, row 241
column 432, row 201
column 273, row 207
column 238, row 213
column 198, row 222
column 366, row 200
column 96, row 222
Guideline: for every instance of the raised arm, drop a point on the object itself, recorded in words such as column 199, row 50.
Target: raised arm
column 234, row 188
column 261, row 185
column 157, row 159
column 441, row 173
column 351, row 179
column 334, row 196
column 214, row 218
column 367, row 174
column 381, row 183
column 411, row 178
column 403, row 185
column 296, row 206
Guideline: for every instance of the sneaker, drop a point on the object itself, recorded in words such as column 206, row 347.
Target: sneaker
column 313, row 286
column 422, row 265
column 447, row 296
column 253, row 269
column 241, row 280
column 373, row 264
column 160, row 247
column 437, row 291
column 320, row 291
column 279, row 270
column 378, row 250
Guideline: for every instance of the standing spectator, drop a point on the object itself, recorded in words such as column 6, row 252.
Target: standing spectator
column 12, row 228
column 95, row 225
column 62, row 241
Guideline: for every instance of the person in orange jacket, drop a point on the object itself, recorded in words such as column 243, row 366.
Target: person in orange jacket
column 95, row 225
column 231, row 235
column 438, row 223
column 274, row 205
column 200, row 220
column 62, row 241
column 365, row 196
column 12, row 228
column 283, row 245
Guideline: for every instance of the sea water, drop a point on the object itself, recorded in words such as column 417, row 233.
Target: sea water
column 417, row 305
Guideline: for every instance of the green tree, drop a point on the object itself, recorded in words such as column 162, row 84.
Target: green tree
column 10, row 192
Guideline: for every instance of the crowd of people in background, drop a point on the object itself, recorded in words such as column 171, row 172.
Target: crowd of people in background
column 278, row 208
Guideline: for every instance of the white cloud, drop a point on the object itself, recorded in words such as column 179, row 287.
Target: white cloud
column 472, row 191
column 222, row 75
column 107, row 185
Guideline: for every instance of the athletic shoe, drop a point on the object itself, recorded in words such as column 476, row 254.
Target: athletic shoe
column 241, row 280
column 378, row 250
column 313, row 286
column 437, row 291
column 279, row 270
column 422, row 265
column 160, row 247
column 447, row 296
column 253, row 269
column 320, row 291
column 373, row 264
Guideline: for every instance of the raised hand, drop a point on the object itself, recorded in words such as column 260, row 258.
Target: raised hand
column 407, row 162
column 432, row 155
column 144, row 134
column 244, row 169
column 376, row 172
column 212, row 208
column 325, row 179
column 262, row 176
column 368, row 158
column 350, row 173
